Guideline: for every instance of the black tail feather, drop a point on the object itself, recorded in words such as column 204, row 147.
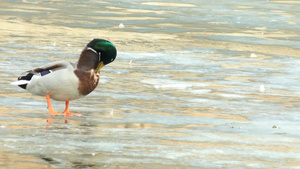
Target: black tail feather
column 27, row 77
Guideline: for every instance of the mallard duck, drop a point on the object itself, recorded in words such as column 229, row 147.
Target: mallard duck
column 66, row 81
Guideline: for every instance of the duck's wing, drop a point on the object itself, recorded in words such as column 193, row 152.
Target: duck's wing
column 42, row 71
column 54, row 66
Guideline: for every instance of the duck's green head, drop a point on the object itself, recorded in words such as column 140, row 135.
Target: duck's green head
column 105, row 49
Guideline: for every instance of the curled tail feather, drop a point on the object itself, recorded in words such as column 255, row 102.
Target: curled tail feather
column 23, row 80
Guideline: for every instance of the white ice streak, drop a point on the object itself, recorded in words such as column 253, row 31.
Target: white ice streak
column 184, row 58
column 171, row 84
column 201, row 91
column 231, row 95
column 105, row 79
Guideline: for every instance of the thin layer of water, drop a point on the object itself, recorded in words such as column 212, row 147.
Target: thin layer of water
column 215, row 91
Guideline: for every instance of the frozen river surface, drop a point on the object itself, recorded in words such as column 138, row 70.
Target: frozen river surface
column 199, row 84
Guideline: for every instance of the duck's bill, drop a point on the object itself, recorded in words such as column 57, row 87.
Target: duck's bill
column 100, row 65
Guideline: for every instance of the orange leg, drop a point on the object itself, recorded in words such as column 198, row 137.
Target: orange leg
column 50, row 109
column 67, row 113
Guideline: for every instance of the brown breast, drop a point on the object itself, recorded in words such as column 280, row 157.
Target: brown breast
column 88, row 81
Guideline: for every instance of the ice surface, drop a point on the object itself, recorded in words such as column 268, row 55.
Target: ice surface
column 197, row 84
